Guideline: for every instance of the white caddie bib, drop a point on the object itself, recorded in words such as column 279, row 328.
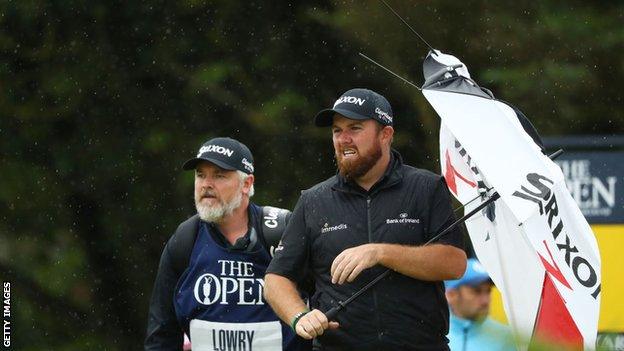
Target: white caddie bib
column 215, row 336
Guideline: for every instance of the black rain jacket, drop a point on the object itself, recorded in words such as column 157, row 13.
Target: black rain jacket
column 407, row 206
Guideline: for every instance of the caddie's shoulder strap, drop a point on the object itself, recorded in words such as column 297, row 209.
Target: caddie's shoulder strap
column 181, row 243
column 180, row 246
column 274, row 221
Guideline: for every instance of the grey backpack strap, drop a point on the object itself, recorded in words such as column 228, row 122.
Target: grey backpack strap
column 274, row 221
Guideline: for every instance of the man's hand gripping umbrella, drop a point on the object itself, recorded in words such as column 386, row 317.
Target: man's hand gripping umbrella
column 331, row 313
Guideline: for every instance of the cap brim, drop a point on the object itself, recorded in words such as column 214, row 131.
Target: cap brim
column 478, row 280
column 192, row 164
column 325, row 118
column 454, row 284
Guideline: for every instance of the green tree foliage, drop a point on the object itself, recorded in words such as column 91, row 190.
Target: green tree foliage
column 101, row 102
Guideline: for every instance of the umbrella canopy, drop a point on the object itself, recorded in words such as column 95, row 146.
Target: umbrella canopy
column 534, row 241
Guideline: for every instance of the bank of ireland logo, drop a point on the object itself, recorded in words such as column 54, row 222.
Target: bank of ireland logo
column 403, row 219
column 207, row 289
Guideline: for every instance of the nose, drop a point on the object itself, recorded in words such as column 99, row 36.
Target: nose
column 344, row 138
column 206, row 183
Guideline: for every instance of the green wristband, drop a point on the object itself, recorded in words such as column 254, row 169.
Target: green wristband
column 296, row 319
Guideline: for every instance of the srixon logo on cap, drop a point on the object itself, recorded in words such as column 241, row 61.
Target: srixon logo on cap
column 350, row 100
column 215, row 148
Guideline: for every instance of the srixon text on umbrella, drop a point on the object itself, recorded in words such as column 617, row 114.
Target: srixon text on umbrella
column 539, row 191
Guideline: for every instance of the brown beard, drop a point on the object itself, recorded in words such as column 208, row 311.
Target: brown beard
column 354, row 169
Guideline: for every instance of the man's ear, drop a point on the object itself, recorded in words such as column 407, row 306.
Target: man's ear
column 248, row 183
column 387, row 133
column 451, row 295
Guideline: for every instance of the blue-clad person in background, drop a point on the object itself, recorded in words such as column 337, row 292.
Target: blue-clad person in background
column 469, row 300
column 211, row 274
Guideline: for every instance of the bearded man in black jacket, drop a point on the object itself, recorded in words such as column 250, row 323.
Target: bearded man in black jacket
column 376, row 213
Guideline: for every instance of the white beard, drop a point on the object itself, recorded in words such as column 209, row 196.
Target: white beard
column 215, row 213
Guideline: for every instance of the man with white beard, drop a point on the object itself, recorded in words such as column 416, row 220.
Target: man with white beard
column 375, row 214
column 211, row 274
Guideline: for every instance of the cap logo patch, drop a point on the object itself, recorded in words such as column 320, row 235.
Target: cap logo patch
column 248, row 166
column 383, row 115
column 350, row 100
column 215, row 148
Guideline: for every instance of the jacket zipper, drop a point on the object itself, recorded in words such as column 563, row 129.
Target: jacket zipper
column 370, row 240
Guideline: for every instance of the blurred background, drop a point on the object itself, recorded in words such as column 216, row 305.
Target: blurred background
column 102, row 101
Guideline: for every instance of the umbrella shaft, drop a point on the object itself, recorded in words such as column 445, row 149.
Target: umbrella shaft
column 332, row 313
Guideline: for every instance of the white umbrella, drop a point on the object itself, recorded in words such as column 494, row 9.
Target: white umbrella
column 534, row 241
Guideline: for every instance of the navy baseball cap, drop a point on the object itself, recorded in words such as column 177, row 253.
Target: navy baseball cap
column 475, row 274
column 357, row 104
column 226, row 153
